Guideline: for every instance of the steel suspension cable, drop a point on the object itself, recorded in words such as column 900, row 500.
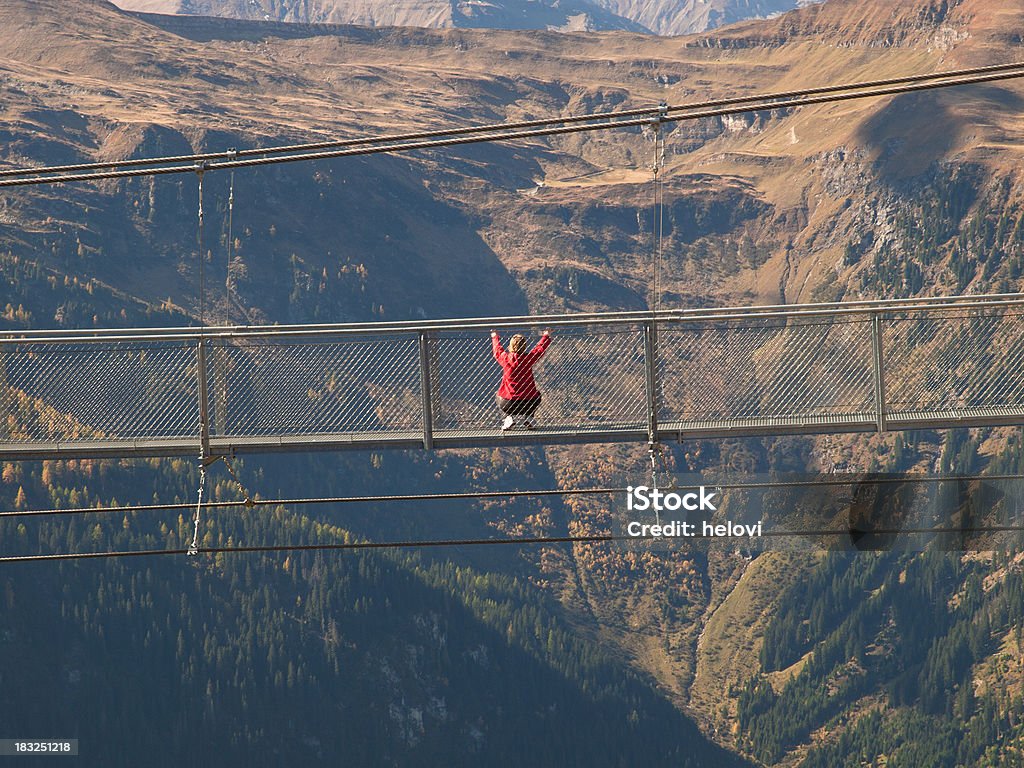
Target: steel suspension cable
column 653, row 297
column 230, row 248
column 193, row 549
column 322, row 500
column 436, row 133
column 963, row 303
column 483, row 495
column 696, row 115
column 203, row 426
column 501, row 132
column 659, row 202
column 202, row 256
column 431, row 543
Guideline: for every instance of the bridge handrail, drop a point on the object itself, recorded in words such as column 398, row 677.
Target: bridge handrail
column 867, row 307
column 867, row 365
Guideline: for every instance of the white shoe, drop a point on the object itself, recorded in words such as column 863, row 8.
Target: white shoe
column 529, row 423
column 507, row 424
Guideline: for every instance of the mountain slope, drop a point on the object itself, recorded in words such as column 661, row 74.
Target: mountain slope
column 895, row 196
column 662, row 17
column 575, row 15
column 682, row 17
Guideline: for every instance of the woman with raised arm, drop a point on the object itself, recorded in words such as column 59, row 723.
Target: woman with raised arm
column 518, row 395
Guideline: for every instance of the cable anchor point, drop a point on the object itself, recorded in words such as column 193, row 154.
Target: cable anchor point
column 662, row 116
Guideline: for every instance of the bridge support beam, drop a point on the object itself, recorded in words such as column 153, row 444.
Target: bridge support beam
column 878, row 369
column 425, row 391
column 651, row 375
column 204, row 402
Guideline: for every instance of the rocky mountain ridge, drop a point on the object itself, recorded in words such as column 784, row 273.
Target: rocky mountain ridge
column 663, row 17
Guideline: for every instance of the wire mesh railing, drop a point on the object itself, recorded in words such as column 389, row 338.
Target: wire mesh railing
column 593, row 377
column 954, row 362
column 98, row 392
column 604, row 377
column 295, row 387
column 766, row 370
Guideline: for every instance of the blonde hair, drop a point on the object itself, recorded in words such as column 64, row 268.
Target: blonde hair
column 517, row 343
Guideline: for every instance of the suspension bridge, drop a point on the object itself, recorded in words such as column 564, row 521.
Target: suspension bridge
column 925, row 363
column 615, row 377
column 641, row 376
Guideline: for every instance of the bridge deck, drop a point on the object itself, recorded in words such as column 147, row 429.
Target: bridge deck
column 490, row 438
column 932, row 364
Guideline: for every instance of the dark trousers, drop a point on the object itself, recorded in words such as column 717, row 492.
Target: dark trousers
column 525, row 406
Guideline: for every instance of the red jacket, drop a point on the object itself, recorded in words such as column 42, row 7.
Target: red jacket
column 517, row 369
